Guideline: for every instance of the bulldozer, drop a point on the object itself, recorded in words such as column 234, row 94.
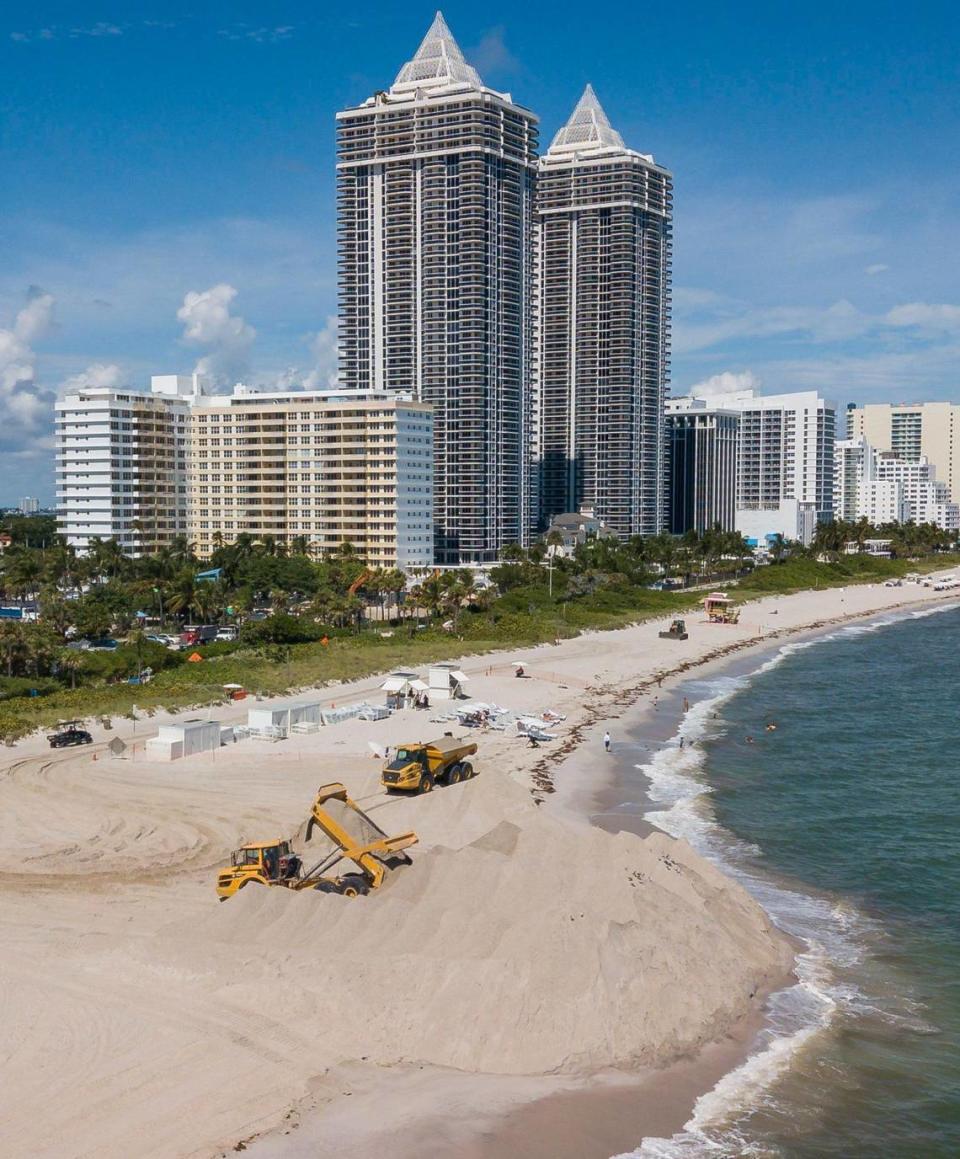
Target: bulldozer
column 417, row 768
column 350, row 835
column 676, row 631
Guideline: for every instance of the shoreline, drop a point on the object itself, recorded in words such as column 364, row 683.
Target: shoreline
column 604, row 1114
column 82, row 828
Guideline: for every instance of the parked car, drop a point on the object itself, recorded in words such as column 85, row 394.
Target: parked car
column 68, row 737
column 227, row 634
column 105, row 644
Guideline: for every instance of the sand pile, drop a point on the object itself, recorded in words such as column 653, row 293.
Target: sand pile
column 529, row 949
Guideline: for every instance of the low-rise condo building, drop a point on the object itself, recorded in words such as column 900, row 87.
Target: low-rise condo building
column 318, row 468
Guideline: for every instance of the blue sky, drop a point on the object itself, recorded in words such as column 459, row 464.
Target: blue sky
column 167, row 184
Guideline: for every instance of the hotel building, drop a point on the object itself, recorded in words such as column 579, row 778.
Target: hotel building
column 912, row 430
column 604, row 215
column 883, row 488
column 784, row 461
column 435, row 186
column 322, row 467
column 702, row 456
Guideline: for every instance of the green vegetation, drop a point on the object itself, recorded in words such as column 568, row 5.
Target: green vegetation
column 303, row 622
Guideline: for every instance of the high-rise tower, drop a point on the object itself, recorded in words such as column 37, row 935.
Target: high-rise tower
column 435, row 184
column 604, row 217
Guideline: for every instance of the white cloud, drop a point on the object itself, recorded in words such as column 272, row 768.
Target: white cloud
column 208, row 322
column 876, row 268
column 97, row 374
column 323, row 346
column 727, row 382
column 937, row 318
column 491, row 55
column 17, row 359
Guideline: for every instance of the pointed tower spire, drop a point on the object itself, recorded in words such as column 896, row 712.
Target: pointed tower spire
column 438, row 62
column 588, row 128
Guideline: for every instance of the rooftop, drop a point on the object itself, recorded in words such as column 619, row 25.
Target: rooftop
column 438, row 63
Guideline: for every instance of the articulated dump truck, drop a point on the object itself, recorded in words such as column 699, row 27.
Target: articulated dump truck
column 347, row 834
column 416, row 768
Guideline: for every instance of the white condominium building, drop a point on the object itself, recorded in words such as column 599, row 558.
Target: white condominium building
column 912, row 430
column 883, row 488
column 603, row 215
column 121, row 464
column 435, row 186
column 784, row 460
column 317, row 467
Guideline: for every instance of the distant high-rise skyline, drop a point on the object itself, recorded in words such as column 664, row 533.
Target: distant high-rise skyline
column 435, row 186
column 604, row 224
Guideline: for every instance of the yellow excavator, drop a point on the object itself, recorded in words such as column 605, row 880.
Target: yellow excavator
column 349, row 835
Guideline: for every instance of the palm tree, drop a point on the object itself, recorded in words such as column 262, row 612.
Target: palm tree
column 72, row 661
column 12, row 643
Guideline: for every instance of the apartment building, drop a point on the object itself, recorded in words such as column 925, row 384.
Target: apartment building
column 884, row 487
column 859, row 492
column 435, row 185
column 702, row 454
column 604, row 219
column 322, row 467
column 913, row 430
column 120, row 461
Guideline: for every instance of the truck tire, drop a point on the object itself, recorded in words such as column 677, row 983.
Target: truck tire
column 468, row 771
column 426, row 783
column 455, row 774
column 353, row 885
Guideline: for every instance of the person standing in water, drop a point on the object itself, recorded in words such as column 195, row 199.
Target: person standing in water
column 606, row 742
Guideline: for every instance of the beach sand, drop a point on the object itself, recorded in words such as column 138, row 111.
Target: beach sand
column 531, row 985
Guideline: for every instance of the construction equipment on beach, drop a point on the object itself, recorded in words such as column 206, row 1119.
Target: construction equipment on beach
column 416, row 768
column 720, row 609
column 350, row 835
column 676, row 631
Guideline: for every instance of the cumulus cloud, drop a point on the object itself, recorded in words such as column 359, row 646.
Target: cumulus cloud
column 208, row 322
column 97, row 374
column 25, row 405
column 325, row 351
column 727, row 382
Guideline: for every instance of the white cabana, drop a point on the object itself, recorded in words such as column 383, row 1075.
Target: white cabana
column 447, row 682
column 174, row 741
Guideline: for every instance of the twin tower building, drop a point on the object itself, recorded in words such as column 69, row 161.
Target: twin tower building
column 526, row 298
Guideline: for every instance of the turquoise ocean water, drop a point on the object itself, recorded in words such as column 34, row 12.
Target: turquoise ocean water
column 844, row 821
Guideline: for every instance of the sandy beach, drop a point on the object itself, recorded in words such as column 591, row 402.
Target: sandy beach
column 532, row 984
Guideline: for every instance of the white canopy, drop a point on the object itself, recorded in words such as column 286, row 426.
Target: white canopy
column 395, row 684
column 418, row 686
column 460, row 677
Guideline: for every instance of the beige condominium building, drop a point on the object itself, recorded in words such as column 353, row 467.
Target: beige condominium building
column 316, row 467
column 912, row 431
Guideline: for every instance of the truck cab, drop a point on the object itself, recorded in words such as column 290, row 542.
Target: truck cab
column 263, row 862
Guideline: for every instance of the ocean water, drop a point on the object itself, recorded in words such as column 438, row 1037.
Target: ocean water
column 844, row 822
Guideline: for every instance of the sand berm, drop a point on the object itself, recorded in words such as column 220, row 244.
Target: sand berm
column 523, row 953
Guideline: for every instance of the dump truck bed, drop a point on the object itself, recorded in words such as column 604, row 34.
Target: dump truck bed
column 449, row 748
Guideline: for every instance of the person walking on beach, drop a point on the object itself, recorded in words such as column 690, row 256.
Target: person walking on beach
column 606, row 742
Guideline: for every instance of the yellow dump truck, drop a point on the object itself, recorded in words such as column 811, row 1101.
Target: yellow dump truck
column 416, row 768
column 348, row 834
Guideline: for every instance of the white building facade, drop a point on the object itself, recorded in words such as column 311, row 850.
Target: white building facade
column 884, row 488
column 911, row 431
column 317, row 468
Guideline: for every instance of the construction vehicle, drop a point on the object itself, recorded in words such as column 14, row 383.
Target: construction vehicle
column 676, row 631
column 349, row 835
column 720, row 609
column 416, row 768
